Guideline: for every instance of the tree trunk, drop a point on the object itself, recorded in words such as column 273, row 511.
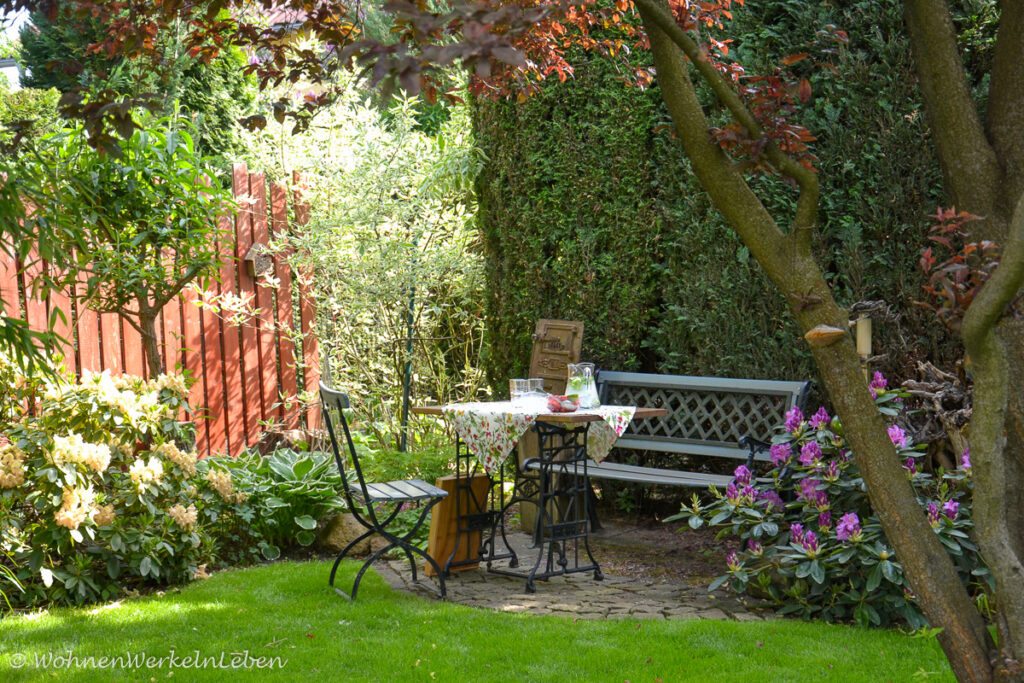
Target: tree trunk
column 147, row 328
column 787, row 260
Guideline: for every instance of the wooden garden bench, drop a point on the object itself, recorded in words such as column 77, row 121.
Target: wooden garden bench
column 711, row 417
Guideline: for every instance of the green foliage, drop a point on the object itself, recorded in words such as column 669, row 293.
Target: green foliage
column 570, row 218
column 147, row 217
column 37, row 107
column 95, row 490
column 590, row 211
column 213, row 96
column 813, row 545
column 390, row 236
column 100, row 492
column 285, row 494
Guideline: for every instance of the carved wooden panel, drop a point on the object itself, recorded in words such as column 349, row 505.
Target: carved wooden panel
column 555, row 344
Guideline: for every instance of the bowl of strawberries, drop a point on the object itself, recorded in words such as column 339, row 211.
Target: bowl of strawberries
column 563, row 404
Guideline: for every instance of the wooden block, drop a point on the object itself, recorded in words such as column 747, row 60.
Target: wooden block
column 444, row 523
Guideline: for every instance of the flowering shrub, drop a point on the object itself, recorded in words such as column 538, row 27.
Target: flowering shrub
column 812, row 543
column 101, row 491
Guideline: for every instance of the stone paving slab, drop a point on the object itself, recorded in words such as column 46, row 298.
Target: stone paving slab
column 577, row 595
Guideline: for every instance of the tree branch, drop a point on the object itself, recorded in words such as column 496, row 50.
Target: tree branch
column 1006, row 98
column 990, row 303
column 807, row 180
column 969, row 166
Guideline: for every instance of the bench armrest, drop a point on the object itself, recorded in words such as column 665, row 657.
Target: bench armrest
column 753, row 446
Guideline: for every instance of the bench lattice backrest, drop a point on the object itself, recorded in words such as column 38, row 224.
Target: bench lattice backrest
column 707, row 415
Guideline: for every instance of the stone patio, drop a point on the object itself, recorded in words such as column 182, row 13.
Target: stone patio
column 579, row 595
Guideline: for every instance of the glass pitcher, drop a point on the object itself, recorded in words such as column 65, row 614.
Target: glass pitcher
column 581, row 383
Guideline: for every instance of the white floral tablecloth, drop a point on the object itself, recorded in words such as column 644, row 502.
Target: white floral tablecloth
column 491, row 430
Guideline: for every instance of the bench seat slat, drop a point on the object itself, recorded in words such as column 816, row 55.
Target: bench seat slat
column 649, row 475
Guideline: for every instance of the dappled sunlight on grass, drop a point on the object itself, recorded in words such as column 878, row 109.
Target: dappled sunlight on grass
column 287, row 610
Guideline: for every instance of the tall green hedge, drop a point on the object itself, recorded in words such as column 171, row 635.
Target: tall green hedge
column 589, row 211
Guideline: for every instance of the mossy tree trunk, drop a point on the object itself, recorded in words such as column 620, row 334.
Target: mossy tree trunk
column 786, row 257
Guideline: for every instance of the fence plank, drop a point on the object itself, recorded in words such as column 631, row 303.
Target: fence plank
column 266, row 334
column 65, row 328
column 193, row 348
column 285, row 315
column 35, row 308
column 110, row 343
column 9, row 297
column 134, row 358
column 88, row 324
column 221, row 411
column 307, row 316
column 252, row 394
column 231, row 346
column 170, row 329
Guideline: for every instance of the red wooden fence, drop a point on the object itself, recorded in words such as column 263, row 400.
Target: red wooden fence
column 245, row 377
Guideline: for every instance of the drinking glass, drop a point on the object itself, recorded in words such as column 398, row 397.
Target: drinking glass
column 517, row 389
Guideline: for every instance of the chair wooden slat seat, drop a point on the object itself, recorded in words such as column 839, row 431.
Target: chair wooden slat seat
column 404, row 491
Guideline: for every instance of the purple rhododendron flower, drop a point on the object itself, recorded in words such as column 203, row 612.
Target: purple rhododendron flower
column 754, row 547
column 878, row 383
column 732, row 561
column 742, row 474
column 825, row 520
column 772, row 500
column 910, row 465
column 810, row 542
column 933, row 512
column 794, row 418
column 950, row 508
column 848, row 527
column 810, row 453
column 898, row 436
column 808, row 489
column 832, row 471
column 820, row 419
column 965, row 459
column 732, row 494
column 780, row 453
column 749, row 493
column 797, row 531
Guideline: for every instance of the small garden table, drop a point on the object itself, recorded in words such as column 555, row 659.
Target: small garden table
column 487, row 432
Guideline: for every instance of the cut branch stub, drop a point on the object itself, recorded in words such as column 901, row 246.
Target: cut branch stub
column 824, row 335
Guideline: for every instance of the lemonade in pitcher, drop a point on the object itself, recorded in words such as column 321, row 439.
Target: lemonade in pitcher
column 581, row 383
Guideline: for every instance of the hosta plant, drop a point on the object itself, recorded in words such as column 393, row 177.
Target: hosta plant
column 811, row 542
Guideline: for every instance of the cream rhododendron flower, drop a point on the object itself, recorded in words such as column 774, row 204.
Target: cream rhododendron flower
column 186, row 461
column 184, row 517
column 74, row 449
column 77, row 505
column 12, row 466
column 221, row 481
column 144, row 473
column 104, row 515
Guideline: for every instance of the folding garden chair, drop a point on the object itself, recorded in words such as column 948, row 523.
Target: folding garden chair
column 364, row 498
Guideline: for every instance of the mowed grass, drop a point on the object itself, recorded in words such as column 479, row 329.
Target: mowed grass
column 287, row 611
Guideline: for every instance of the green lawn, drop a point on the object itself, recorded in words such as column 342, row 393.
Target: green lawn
column 287, row 611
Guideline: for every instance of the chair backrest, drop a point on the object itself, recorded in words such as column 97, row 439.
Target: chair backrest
column 334, row 404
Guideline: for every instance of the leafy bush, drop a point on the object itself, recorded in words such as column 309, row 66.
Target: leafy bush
column 811, row 542
column 100, row 491
column 390, row 246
